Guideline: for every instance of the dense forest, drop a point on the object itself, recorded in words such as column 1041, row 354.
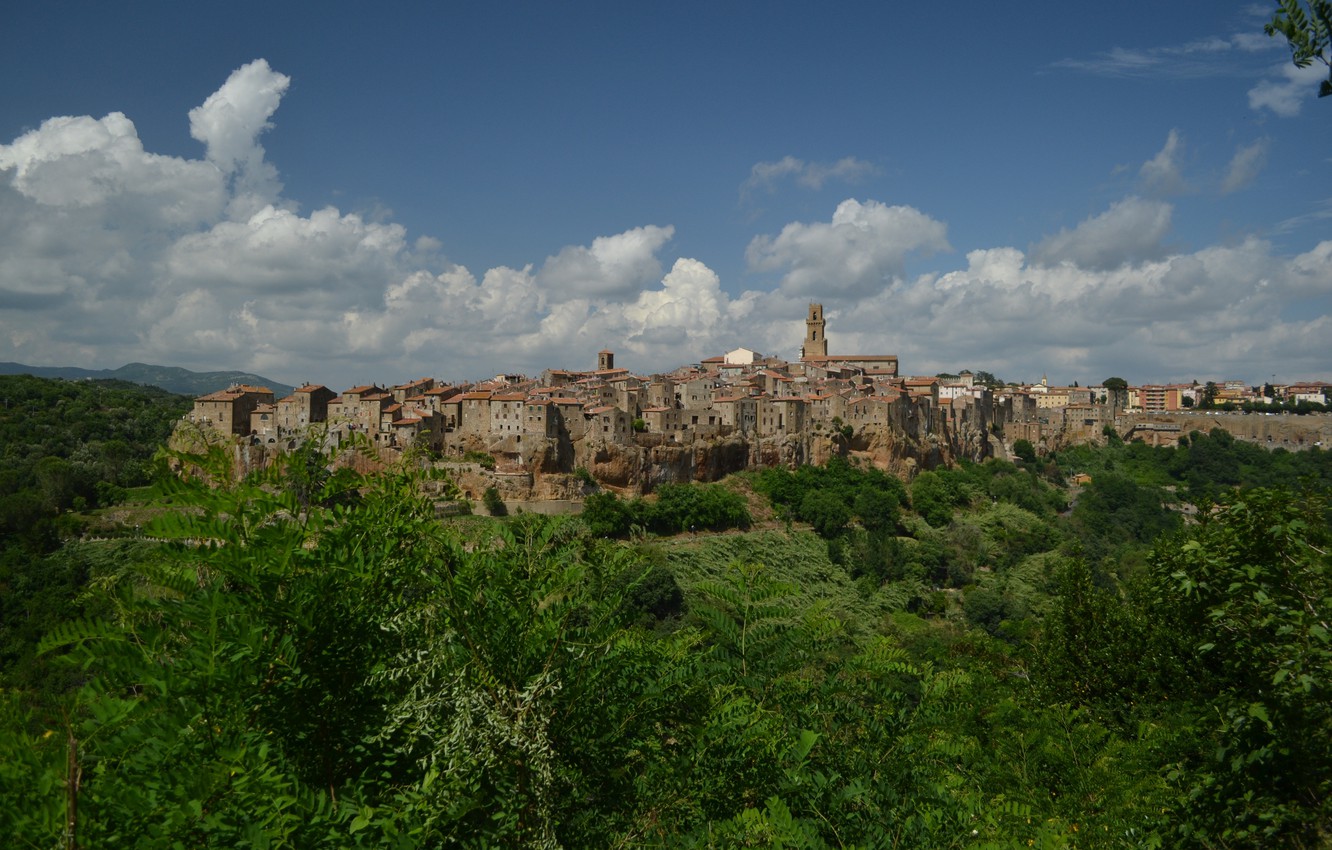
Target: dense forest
column 67, row 449
column 987, row 656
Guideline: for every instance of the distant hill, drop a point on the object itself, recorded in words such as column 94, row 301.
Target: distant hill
column 171, row 378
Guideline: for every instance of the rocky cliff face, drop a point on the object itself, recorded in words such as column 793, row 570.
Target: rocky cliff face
column 543, row 469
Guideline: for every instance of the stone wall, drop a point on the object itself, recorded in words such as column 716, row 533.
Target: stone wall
column 1280, row 430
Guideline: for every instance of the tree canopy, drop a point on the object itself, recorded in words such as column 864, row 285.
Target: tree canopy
column 307, row 657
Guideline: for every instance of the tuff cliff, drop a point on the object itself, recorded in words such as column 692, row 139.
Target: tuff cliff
column 538, row 468
column 547, row 469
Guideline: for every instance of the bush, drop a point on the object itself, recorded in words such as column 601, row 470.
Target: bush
column 934, row 496
column 678, row 507
column 992, row 610
column 689, row 507
column 825, row 511
column 484, row 459
column 1025, row 450
column 494, row 503
column 605, row 515
column 877, row 509
column 873, row 496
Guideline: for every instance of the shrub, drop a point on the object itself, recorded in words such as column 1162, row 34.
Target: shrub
column 494, row 503
column 825, row 511
column 485, row 459
column 605, row 515
column 688, row 507
column 1025, row 450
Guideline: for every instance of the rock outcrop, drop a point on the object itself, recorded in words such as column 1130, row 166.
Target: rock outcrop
column 538, row 469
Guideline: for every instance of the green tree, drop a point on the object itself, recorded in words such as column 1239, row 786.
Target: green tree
column 1117, row 388
column 494, row 502
column 1209, row 395
column 876, row 508
column 934, row 494
column 691, row 507
column 1025, row 450
column 530, row 711
column 354, row 675
column 1114, row 510
column 606, row 515
column 1249, row 591
column 825, row 511
column 1099, row 651
column 1307, row 26
column 987, row 379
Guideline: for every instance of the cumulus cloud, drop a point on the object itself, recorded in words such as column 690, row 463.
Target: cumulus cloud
column 1215, row 312
column 229, row 124
column 611, row 266
column 82, row 163
column 1130, row 231
column 858, row 251
column 1287, row 89
column 109, row 253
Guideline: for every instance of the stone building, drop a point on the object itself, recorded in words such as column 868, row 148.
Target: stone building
column 306, row 406
column 229, row 410
column 816, row 335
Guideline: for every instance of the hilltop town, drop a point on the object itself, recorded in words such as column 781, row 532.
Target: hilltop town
column 729, row 412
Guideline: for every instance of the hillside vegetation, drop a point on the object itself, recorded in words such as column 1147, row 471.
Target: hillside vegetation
column 67, row 448
column 980, row 659
column 170, row 378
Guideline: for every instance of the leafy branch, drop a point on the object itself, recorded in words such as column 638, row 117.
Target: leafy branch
column 1308, row 34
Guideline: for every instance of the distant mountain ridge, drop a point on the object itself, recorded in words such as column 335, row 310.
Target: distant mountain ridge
column 171, row 378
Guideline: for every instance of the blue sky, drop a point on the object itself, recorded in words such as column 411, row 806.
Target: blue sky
column 342, row 194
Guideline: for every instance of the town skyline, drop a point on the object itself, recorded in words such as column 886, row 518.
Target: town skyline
column 485, row 192
column 85, row 373
column 736, row 410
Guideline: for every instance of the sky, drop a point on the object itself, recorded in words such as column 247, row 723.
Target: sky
column 346, row 194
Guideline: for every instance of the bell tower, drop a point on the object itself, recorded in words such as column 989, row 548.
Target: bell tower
column 816, row 336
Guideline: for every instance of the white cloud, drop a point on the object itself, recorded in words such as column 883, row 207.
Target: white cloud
column 1161, row 174
column 858, row 251
column 87, row 164
column 1215, row 312
column 109, row 253
column 765, row 176
column 275, row 251
column 229, row 123
column 1130, row 231
column 610, row 266
column 1287, row 89
column 1204, row 57
column 1244, row 166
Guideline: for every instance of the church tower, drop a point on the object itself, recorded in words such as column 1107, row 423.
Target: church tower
column 605, row 360
column 816, row 337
